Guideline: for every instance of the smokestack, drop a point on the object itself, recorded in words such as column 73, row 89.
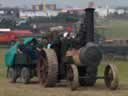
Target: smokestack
column 89, row 24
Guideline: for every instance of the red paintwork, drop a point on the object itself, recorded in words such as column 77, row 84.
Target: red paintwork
column 6, row 37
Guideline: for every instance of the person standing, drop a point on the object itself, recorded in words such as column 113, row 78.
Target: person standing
column 21, row 46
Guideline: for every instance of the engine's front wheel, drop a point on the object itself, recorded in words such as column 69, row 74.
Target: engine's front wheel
column 111, row 76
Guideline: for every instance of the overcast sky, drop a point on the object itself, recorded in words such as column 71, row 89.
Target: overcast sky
column 75, row 3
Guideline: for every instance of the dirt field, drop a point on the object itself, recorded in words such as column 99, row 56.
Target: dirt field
column 99, row 89
column 34, row 89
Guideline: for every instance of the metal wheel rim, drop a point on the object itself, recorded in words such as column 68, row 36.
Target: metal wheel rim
column 111, row 77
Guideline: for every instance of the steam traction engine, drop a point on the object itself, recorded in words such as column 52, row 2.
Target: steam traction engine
column 76, row 59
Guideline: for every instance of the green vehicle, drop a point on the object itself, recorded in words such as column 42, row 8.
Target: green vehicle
column 20, row 65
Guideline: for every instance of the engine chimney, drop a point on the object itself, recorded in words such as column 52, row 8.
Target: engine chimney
column 89, row 23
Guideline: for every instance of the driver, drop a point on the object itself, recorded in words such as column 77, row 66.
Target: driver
column 30, row 49
column 21, row 46
column 42, row 43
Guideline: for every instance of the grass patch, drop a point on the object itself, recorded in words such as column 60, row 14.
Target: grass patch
column 122, row 66
column 2, row 65
column 117, row 29
column 2, row 53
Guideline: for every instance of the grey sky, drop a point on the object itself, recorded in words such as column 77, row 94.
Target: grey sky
column 76, row 3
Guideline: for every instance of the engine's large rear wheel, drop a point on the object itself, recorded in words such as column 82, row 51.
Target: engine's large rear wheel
column 48, row 68
column 111, row 76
